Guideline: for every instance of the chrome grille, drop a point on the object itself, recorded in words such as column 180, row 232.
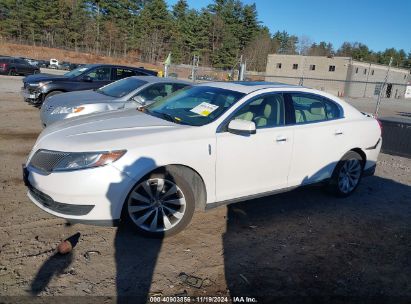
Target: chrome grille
column 46, row 160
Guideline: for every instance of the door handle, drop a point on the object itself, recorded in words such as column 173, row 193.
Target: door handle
column 338, row 132
column 281, row 138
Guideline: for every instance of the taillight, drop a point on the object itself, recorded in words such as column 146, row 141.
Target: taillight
column 3, row 66
column 380, row 124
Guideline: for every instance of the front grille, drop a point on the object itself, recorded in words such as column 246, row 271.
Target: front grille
column 46, row 161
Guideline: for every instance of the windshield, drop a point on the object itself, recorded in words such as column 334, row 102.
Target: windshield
column 76, row 72
column 195, row 106
column 121, row 87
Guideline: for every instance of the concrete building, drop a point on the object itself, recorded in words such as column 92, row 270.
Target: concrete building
column 341, row 76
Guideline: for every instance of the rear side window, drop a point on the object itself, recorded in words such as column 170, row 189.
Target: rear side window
column 123, row 73
column 4, row 60
column 312, row 108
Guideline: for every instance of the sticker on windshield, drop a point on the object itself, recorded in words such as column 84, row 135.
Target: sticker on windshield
column 204, row 109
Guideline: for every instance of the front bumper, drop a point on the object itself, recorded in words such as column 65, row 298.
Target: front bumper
column 31, row 94
column 91, row 195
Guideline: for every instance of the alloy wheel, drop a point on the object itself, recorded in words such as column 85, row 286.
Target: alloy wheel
column 349, row 175
column 156, row 205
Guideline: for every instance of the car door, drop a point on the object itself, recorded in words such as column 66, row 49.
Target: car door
column 259, row 162
column 20, row 66
column 319, row 140
column 96, row 78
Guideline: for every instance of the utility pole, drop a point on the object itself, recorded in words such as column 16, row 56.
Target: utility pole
column 301, row 82
column 377, row 107
column 241, row 72
column 194, row 68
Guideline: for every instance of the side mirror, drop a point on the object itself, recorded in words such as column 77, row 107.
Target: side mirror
column 139, row 100
column 87, row 79
column 241, row 127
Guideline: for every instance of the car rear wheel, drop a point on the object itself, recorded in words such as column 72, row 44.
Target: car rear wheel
column 12, row 72
column 160, row 205
column 347, row 174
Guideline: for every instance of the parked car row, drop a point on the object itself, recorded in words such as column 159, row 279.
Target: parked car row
column 195, row 147
column 37, row 88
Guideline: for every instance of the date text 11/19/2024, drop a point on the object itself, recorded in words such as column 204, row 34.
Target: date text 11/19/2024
column 200, row 299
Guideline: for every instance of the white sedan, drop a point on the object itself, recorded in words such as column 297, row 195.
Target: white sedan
column 208, row 145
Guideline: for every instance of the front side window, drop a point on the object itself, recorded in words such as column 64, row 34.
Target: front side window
column 121, row 87
column 194, row 106
column 266, row 111
column 100, row 74
column 312, row 108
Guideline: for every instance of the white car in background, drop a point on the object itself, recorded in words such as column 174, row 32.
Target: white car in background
column 211, row 144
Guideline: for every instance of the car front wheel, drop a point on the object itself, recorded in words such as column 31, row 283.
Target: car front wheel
column 347, row 174
column 162, row 204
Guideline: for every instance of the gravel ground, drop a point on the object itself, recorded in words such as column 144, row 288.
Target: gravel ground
column 289, row 247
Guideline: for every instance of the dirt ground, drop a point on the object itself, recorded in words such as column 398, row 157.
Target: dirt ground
column 302, row 246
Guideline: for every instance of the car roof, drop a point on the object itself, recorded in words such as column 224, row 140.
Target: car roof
column 154, row 79
column 115, row 66
column 247, row 86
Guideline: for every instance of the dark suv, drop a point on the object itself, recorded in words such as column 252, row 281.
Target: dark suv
column 37, row 88
column 16, row 66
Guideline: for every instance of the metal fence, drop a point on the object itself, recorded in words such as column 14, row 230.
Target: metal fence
column 341, row 88
column 338, row 87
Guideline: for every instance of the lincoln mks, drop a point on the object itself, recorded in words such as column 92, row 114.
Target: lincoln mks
column 204, row 146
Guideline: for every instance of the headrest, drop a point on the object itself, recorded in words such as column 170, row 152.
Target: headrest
column 317, row 108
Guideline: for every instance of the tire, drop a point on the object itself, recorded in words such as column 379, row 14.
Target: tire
column 171, row 199
column 12, row 72
column 347, row 174
column 52, row 93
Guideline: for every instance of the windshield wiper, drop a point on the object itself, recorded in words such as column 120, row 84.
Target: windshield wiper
column 168, row 117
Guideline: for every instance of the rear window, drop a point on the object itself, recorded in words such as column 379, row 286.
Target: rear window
column 121, row 87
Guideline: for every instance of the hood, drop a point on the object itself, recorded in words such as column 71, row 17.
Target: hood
column 43, row 77
column 78, row 98
column 103, row 131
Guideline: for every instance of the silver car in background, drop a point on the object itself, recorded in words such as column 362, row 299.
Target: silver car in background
column 130, row 92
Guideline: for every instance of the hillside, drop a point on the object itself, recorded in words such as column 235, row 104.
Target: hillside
column 45, row 53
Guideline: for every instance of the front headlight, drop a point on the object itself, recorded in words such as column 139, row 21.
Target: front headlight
column 75, row 161
column 67, row 110
column 43, row 83
column 52, row 161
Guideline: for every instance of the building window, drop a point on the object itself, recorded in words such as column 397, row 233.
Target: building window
column 295, row 66
column 331, row 68
column 356, row 70
column 312, row 67
column 365, row 71
column 278, row 65
column 372, row 72
column 405, row 76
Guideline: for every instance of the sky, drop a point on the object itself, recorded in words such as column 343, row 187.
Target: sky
column 376, row 23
